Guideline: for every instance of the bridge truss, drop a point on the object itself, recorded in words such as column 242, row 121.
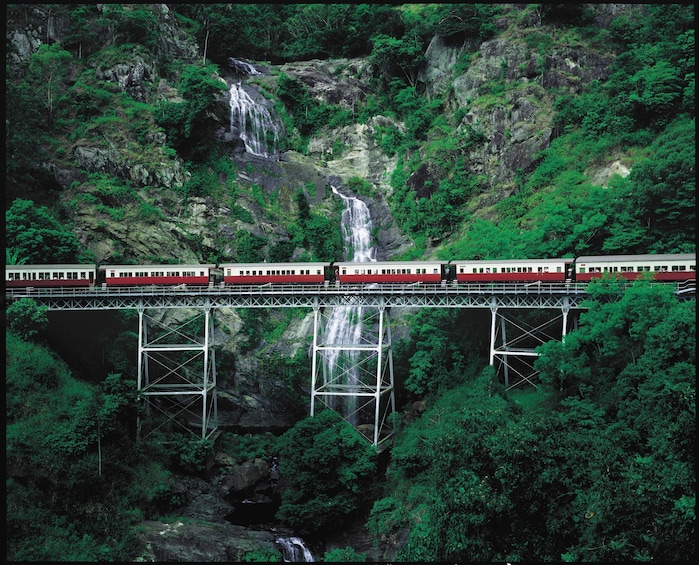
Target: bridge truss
column 176, row 369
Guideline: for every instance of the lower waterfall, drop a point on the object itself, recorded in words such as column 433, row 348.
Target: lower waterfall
column 345, row 323
column 294, row 550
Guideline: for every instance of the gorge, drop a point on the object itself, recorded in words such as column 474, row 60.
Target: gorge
column 197, row 133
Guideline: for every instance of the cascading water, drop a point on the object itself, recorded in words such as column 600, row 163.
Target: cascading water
column 294, row 550
column 253, row 123
column 344, row 325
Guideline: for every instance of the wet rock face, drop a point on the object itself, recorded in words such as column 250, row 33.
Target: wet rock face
column 336, row 81
column 195, row 542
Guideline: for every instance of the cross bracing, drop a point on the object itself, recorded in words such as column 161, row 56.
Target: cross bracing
column 177, row 375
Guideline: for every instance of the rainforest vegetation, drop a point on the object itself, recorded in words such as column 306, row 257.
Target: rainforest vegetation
column 597, row 463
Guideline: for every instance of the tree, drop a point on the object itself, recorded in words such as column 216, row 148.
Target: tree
column 664, row 188
column 27, row 318
column 48, row 69
column 190, row 124
column 632, row 405
column 329, row 473
column 657, row 91
column 344, row 555
column 36, row 236
column 398, row 57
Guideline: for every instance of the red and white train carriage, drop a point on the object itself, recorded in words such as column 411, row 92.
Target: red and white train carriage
column 79, row 275
column 389, row 272
column 662, row 267
column 513, row 270
column 285, row 273
column 146, row 275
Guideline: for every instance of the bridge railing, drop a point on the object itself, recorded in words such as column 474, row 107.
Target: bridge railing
column 299, row 289
column 684, row 288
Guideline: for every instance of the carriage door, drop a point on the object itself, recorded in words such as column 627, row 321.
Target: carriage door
column 569, row 271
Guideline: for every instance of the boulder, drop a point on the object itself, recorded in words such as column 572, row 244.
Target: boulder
column 194, row 541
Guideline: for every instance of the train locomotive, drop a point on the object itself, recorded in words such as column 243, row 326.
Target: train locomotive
column 661, row 267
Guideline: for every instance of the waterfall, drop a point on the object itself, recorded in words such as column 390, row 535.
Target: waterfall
column 294, row 551
column 344, row 325
column 253, row 123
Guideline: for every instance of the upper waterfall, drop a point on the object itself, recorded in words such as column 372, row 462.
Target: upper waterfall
column 253, row 123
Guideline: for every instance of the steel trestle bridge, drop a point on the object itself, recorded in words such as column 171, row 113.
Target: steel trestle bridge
column 177, row 369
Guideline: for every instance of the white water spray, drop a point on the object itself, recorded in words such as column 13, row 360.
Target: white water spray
column 253, row 123
column 345, row 323
column 294, row 550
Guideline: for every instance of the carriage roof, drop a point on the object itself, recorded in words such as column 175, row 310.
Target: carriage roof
column 646, row 257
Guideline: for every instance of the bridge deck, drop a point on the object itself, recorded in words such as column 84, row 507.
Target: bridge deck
column 493, row 295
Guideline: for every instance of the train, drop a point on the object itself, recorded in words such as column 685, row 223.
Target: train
column 661, row 267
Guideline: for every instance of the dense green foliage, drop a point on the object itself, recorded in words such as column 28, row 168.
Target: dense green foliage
column 599, row 468
column 35, row 236
column 77, row 480
column 330, row 471
column 26, row 318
